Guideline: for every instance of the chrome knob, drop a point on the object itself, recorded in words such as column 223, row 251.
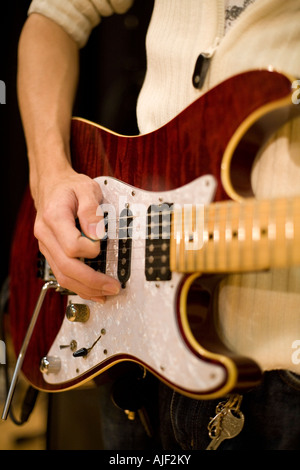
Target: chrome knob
column 50, row 365
column 78, row 312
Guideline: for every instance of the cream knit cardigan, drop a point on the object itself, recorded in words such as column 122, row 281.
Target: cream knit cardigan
column 267, row 34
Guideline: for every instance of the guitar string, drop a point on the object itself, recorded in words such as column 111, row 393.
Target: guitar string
column 279, row 219
column 209, row 234
column 157, row 262
column 133, row 256
column 264, row 212
column 131, row 252
column 218, row 205
column 163, row 258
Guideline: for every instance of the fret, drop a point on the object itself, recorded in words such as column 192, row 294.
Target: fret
column 293, row 229
column 189, row 223
column 250, row 241
column 296, row 212
column 264, row 244
column 217, row 239
column 175, row 242
column 210, row 245
column 235, row 237
column 237, row 234
column 278, row 255
column 220, row 255
column 289, row 231
column 193, row 222
column 281, row 244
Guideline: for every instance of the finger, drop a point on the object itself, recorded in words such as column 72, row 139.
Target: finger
column 76, row 276
column 62, row 227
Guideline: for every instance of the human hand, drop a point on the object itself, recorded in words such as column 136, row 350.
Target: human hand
column 59, row 202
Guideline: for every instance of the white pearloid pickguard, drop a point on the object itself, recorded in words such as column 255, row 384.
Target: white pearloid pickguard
column 140, row 321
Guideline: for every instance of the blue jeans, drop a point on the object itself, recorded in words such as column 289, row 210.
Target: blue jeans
column 271, row 410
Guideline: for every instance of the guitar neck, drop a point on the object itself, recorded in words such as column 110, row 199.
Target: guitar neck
column 236, row 237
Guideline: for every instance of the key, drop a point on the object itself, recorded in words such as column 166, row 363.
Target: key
column 231, row 424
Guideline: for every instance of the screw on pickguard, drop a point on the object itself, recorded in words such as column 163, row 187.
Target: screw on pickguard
column 72, row 345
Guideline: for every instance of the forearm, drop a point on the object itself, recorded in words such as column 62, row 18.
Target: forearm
column 47, row 80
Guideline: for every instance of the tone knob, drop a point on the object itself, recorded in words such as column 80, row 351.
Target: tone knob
column 78, row 312
column 50, row 365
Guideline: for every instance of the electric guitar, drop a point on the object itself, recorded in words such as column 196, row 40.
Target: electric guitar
column 180, row 216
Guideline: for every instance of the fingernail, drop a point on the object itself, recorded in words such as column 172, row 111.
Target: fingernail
column 100, row 229
column 110, row 289
column 92, row 232
column 100, row 300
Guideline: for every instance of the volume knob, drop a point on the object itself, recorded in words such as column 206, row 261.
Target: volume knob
column 78, row 312
column 50, row 365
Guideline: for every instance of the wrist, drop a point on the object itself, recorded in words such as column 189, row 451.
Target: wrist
column 46, row 168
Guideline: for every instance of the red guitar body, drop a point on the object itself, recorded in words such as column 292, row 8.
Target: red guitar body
column 190, row 145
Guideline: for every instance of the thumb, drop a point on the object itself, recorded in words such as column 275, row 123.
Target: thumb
column 90, row 214
column 96, row 230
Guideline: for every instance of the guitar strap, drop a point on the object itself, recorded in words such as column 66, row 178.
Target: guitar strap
column 233, row 9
